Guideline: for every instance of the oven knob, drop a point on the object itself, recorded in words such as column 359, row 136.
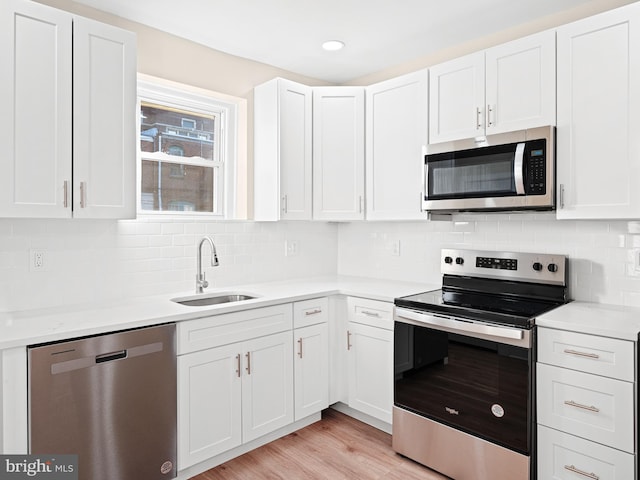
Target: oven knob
column 459, row 260
column 537, row 266
column 552, row 267
column 448, row 260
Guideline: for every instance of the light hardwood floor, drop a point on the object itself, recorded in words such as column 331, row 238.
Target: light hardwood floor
column 337, row 447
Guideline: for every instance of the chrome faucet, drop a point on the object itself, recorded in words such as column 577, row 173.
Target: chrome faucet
column 201, row 281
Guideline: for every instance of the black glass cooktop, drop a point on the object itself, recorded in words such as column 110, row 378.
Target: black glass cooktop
column 500, row 302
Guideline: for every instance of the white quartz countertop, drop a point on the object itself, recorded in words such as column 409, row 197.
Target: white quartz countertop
column 594, row 318
column 27, row 327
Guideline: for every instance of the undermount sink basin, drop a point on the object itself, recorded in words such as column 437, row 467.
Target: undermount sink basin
column 213, row 299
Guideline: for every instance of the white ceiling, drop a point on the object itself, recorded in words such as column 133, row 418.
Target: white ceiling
column 288, row 33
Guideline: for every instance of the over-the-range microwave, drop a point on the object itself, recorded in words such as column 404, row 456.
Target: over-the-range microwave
column 504, row 172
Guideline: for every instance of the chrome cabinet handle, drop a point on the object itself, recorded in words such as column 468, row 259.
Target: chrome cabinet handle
column 581, row 354
column 313, row 312
column 285, row 204
column 248, row 355
column 573, row 469
column 83, row 194
column 478, row 118
column 239, row 369
column 370, row 314
column 349, row 340
column 489, row 112
column 561, row 195
column 65, row 194
column 300, row 347
column 590, row 408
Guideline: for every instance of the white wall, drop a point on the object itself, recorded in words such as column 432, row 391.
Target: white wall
column 601, row 254
column 95, row 261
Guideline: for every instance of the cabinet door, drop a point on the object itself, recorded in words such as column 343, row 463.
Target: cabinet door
column 589, row 406
column 565, row 457
column 397, row 132
column 295, row 106
column 35, row 119
column 311, row 370
column 338, row 153
column 104, row 121
column 370, row 370
column 282, row 150
column 521, row 84
column 456, row 99
column 267, row 385
column 209, row 403
column 598, row 145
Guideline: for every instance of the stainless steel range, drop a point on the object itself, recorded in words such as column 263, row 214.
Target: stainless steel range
column 464, row 364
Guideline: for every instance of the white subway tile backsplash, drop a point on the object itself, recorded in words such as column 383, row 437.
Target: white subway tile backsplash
column 101, row 260
column 90, row 261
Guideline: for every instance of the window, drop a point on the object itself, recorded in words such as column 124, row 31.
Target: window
column 186, row 150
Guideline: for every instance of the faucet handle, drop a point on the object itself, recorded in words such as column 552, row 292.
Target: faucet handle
column 204, row 282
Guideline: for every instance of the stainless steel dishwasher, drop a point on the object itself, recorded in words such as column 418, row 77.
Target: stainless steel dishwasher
column 110, row 399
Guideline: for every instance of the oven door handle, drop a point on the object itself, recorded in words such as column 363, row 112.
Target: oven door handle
column 460, row 326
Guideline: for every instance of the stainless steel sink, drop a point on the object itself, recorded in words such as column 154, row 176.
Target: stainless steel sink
column 213, row 299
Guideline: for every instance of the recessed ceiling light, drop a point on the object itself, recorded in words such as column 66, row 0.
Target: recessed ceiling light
column 333, row 45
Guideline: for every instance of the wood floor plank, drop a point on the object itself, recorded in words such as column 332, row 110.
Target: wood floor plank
column 336, row 448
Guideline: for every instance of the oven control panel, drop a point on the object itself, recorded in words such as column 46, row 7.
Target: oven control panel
column 519, row 266
column 497, row 263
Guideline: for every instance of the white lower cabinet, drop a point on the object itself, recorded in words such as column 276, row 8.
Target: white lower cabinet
column 234, row 393
column 267, row 385
column 586, row 410
column 311, row 356
column 311, row 370
column 210, row 404
column 565, row 457
column 370, row 357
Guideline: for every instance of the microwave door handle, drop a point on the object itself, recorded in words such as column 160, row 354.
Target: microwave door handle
column 518, row 169
column 425, row 179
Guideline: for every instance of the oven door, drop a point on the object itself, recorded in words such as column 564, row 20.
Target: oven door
column 473, row 377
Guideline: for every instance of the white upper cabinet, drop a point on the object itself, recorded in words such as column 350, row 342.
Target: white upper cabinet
column 598, row 145
column 35, row 120
column 104, row 115
column 338, row 153
column 68, row 90
column 282, row 151
column 521, row 84
column 505, row 88
column 396, row 125
column 456, row 99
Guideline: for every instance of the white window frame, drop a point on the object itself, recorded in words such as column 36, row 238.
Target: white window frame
column 163, row 92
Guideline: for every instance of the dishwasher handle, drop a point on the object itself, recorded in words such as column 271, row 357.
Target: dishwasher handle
column 108, row 357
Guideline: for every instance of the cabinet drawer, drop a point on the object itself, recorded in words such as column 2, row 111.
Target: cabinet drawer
column 600, row 355
column 310, row 312
column 208, row 332
column 370, row 312
column 564, row 457
column 592, row 407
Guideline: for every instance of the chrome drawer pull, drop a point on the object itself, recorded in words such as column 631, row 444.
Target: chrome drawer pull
column 581, row 354
column 370, row 314
column 591, row 408
column 573, row 469
column 313, row 312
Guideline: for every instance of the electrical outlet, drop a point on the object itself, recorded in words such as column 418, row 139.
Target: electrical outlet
column 37, row 261
column 291, row 248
